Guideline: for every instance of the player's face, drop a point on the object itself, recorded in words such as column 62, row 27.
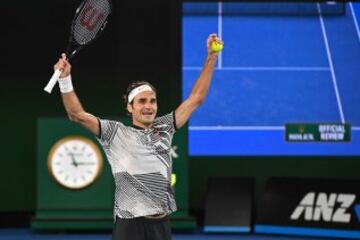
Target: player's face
column 143, row 109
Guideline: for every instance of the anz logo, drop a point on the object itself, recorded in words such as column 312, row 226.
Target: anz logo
column 333, row 207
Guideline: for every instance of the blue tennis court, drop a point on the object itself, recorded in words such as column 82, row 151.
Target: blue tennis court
column 26, row 234
column 273, row 70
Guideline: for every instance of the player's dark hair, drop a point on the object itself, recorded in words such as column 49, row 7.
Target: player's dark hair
column 132, row 86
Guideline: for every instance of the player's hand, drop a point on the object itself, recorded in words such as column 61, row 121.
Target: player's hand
column 212, row 38
column 63, row 65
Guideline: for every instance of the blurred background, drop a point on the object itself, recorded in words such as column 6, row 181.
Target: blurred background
column 277, row 138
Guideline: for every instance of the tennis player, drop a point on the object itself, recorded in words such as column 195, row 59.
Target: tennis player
column 139, row 155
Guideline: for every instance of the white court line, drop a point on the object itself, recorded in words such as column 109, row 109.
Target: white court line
column 245, row 128
column 331, row 64
column 355, row 20
column 264, row 68
column 220, row 8
column 241, row 128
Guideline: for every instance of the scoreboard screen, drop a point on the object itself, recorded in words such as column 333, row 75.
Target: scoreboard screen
column 284, row 84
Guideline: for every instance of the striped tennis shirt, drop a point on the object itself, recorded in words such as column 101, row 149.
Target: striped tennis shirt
column 141, row 164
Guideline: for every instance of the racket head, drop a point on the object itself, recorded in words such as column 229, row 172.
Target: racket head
column 89, row 22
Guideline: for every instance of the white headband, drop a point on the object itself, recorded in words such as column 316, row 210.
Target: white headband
column 138, row 90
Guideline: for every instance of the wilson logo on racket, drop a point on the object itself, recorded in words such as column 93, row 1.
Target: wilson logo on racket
column 90, row 18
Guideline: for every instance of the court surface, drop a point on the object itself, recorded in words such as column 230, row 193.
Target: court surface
column 273, row 70
column 26, row 234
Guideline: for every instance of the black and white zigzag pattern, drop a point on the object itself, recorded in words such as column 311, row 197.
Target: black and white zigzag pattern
column 141, row 164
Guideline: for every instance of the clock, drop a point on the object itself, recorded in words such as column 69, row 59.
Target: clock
column 75, row 162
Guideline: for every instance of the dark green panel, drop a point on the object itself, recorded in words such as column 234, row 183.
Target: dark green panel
column 317, row 132
column 18, row 148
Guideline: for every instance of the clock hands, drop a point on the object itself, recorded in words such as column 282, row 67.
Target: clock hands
column 73, row 160
column 86, row 163
column 75, row 163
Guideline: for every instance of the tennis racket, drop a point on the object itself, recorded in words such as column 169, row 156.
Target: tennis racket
column 88, row 23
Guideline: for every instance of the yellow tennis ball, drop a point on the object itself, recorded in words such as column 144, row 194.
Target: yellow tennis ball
column 173, row 179
column 216, row 46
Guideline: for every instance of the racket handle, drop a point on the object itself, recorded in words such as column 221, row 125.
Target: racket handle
column 52, row 82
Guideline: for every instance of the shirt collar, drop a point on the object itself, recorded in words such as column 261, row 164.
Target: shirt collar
column 137, row 127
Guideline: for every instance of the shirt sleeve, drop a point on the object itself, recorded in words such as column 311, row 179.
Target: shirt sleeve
column 167, row 120
column 108, row 130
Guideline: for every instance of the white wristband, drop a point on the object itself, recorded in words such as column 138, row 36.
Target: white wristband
column 65, row 84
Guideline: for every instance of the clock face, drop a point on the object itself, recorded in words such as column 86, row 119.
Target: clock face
column 75, row 162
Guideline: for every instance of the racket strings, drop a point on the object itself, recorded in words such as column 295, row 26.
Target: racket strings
column 90, row 20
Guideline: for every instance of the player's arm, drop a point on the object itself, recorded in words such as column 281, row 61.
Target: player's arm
column 200, row 88
column 71, row 102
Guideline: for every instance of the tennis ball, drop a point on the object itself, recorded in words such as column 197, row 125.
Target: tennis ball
column 173, row 179
column 216, row 46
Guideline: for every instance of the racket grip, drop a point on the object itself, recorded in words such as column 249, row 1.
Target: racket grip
column 52, row 82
